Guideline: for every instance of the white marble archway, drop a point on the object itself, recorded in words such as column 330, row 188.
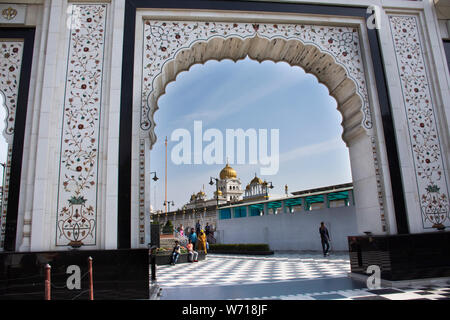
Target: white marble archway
column 332, row 53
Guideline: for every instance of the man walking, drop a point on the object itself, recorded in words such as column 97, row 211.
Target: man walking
column 325, row 237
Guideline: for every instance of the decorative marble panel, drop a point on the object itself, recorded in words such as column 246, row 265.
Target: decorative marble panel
column 164, row 39
column 11, row 53
column 78, row 180
column 142, row 191
column 10, row 65
column 422, row 123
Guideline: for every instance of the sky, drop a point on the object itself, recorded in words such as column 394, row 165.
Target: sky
column 250, row 95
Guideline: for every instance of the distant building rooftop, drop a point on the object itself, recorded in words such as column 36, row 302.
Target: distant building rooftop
column 324, row 189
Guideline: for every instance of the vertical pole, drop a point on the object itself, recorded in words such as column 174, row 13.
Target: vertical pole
column 91, row 280
column 47, row 282
column 165, row 202
column 217, row 192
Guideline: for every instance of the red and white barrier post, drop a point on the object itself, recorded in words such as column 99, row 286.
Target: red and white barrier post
column 91, row 280
column 47, row 282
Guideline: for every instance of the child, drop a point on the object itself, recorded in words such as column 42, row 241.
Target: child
column 175, row 253
column 181, row 230
column 193, row 255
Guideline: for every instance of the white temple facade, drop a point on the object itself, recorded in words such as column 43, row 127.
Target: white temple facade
column 229, row 185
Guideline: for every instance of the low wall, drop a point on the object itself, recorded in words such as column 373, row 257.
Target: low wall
column 402, row 257
column 117, row 274
column 291, row 231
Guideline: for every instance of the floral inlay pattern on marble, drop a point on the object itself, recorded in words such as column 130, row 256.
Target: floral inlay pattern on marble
column 164, row 39
column 10, row 65
column 77, row 201
column 421, row 118
column 11, row 53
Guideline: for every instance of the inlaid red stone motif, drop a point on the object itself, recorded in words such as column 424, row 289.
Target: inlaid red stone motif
column 421, row 119
column 77, row 200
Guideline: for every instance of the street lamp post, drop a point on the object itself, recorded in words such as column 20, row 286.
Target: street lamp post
column 155, row 178
column 4, row 168
column 168, row 203
column 268, row 185
column 217, row 188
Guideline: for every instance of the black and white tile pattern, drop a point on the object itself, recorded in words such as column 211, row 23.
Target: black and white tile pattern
column 238, row 269
column 292, row 276
column 439, row 292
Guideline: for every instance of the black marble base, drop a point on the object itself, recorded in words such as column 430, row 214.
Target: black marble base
column 117, row 274
column 402, row 257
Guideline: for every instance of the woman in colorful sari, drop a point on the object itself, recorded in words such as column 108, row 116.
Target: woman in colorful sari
column 201, row 242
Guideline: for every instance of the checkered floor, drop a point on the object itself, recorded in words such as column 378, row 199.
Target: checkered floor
column 237, row 269
column 438, row 292
column 246, row 272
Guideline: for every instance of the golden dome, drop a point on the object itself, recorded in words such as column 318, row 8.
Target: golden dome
column 256, row 180
column 218, row 192
column 228, row 173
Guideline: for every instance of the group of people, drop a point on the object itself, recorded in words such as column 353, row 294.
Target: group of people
column 198, row 227
column 197, row 241
column 193, row 255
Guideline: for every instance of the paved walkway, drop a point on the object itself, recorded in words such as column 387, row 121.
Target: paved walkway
column 292, row 276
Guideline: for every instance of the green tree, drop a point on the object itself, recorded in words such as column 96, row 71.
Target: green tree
column 168, row 227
